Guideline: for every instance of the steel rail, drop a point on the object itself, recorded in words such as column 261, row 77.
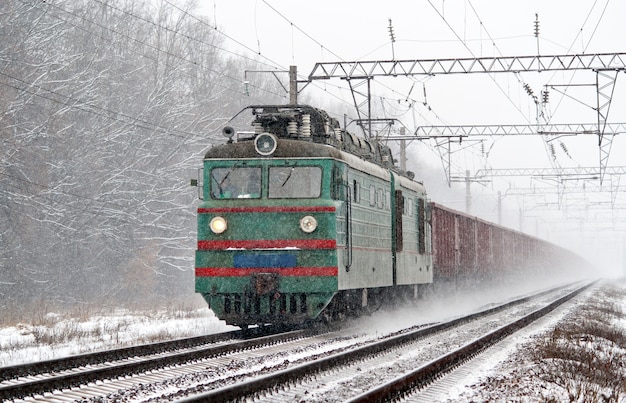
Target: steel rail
column 62, row 381
column 65, row 363
column 277, row 380
column 428, row 373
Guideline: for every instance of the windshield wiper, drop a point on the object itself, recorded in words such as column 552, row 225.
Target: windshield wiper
column 220, row 183
column 225, row 177
column 288, row 176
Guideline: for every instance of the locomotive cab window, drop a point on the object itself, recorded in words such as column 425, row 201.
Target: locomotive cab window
column 372, row 195
column 295, row 182
column 236, row 183
column 357, row 191
column 408, row 207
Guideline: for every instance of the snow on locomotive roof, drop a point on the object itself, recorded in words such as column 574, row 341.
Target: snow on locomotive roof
column 313, row 125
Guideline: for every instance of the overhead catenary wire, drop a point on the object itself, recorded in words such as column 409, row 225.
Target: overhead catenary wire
column 473, row 55
column 517, row 74
column 295, row 26
column 584, row 46
column 272, row 63
column 606, row 5
column 302, row 31
column 52, row 95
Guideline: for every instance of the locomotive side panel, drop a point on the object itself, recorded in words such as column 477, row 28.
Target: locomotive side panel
column 367, row 259
column 413, row 255
column 387, row 239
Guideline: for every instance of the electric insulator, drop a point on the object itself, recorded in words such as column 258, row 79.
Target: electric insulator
column 564, row 148
column 529, row 90
column 337, row 133
column 536, row 25
column 292, row 128
column 391, row 34
column 545, row 96
column 305, row 129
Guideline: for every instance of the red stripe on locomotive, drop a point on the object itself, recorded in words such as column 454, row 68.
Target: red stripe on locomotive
column 289, row 271
column 268, row 244
column 268, row 209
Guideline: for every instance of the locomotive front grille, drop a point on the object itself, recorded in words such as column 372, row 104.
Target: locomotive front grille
column 273, row 305
column 264, row 283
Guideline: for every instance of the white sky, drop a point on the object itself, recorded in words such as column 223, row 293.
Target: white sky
column 423, row 29
column 288, row 32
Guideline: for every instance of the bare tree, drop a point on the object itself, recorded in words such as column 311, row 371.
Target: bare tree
column 104, row 110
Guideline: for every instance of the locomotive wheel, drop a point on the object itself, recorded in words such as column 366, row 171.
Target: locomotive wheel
column 335, row 311
column 326, row 317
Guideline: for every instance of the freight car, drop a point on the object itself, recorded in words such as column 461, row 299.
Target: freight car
column 472, row 251
column 301, row 220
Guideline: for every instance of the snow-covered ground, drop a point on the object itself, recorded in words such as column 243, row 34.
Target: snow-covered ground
column 576, row 355
column 56, row 335
column 48, row 335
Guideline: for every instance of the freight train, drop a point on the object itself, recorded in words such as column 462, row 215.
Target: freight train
column 301, row 220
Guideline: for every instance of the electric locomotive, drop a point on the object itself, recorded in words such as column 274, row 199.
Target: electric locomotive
column 301, row 220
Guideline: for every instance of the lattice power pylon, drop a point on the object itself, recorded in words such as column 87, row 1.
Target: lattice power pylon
column 607, row 66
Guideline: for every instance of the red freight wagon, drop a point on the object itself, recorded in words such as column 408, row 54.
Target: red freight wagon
column 444, row 242
column 484, row 248
column 467, row 245
column 464, row 246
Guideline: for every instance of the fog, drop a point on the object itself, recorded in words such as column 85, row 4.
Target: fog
column 448, row 301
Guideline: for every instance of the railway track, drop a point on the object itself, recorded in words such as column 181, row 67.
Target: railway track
column 415, row 380
column 227, row 369
column 40, row 377
column 61, row 364
column 350, row 364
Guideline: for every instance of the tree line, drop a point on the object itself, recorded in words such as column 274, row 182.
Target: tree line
column 105, row 110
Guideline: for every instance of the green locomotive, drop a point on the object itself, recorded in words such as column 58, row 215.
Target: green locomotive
column 301, row 220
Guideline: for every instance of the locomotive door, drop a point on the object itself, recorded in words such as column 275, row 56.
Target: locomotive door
column 348, row 204
column 341, row 190
column 398, row 207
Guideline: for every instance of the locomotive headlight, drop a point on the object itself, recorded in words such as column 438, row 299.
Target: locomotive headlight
column 265, row 144
column 218, row 225
column 308, row 224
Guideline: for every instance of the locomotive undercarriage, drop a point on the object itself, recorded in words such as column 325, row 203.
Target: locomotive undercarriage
column 365, row 301
column 243, row 309
column 252, row 307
